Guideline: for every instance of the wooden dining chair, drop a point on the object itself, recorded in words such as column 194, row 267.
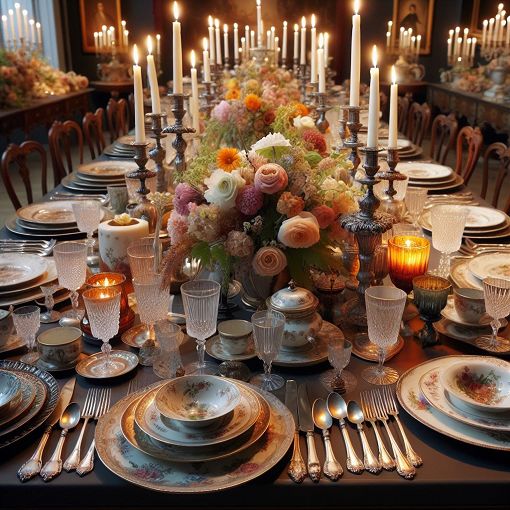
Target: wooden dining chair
column 469, row 143
column 443, row 136
column 117, row 116
column 500, row 152
column 17, row 155
column 403, row 111
column 92, row 124
column 418, row 122
column 61, row 138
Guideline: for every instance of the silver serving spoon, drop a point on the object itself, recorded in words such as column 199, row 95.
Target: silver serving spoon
column 355, row 415
column 69, row 419
column 322, row 420
column 338, row 409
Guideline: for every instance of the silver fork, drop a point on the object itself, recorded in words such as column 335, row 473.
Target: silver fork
column 392, row 409
column 87, row 463
column 370, row 414
column 89, row 406
column 404, row 468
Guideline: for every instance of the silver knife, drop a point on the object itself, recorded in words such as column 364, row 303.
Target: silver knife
column 297, row 468
column 33, row 465
column 306, row 425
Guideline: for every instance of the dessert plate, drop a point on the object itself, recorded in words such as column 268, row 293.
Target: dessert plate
column 19, row 268
column 496, row 265
column 417, row 171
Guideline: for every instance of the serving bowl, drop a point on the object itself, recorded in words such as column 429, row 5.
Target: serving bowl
column 482, row 384
column 10, row 386
column 197, row 401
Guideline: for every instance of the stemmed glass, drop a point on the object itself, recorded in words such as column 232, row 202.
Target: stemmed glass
column 141, row 257
column 448, row 222
column 385, row 306
column 153, row 301
column 268, row 326
column 338, row 379
column 27, row 323
column 201, row 299
column 49, row 315
column 415, row 199
column 103, row 312
column 88, row 216
column 496, row 293
column 71, row 262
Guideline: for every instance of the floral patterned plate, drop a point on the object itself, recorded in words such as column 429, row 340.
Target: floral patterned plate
column 414, row 402
column 433, row 391
column 141, row 469
column 461, row 275
column 168, row 431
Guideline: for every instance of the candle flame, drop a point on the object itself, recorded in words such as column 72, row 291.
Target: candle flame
column 393, row 75
column 95, row 33
column 217, row 23
column 273, row 29
column 4, row 17
column 112, row 29
column 491, row 21
column 236, row 26
column 258, row 3
column 210, row 20
column 497, row 17
column 449, row 41
column 123, row 23
column 466, row 31
column 485, row 23
column 38, row 25
column 17, row 5
column 193, row 59
column 374, row 55
column 205, row 43
column 135, row 54
column 285, row 24
column 459, row 40
column 149, row 44
column 103, row 28
column 31, row 22
column 390, row 23
column 356, row 6
column 450, row 32
column 474, row 40
column 158, row 37
column 176, row 11
column 296, row 27
column 246, row 27
column 457, row 29
column 303, row 22
column 413, row 38
column 126, row 33
column 402, row 29
column 418, row 37
column 408, row 243
column 225, row 28
column 313, row 20
column 321, row 41
column 25, row 12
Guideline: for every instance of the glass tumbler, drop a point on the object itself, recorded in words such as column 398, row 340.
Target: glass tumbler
column 27, row 321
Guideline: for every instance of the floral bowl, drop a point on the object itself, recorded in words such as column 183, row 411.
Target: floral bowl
column 482, row 384
column 197, row 401
column 10, row 386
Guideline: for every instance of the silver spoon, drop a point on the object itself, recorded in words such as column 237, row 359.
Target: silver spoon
column 355, row 415
column 322, row 420
column 69, row 419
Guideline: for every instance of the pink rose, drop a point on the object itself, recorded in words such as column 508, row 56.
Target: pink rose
column 271, row 178
column 269, row 261
column 324, row 214
column 301, row 231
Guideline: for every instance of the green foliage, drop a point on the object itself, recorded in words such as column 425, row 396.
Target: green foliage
column 313, row 158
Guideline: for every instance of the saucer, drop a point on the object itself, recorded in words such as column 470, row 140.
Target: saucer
column 216, row 350
column 43, row 365
column 123, row 361
column 449, row 312
column 13, row 342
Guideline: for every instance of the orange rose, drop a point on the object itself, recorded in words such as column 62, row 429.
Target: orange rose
column 301, row 231
column 252, row 102
column 233, row 94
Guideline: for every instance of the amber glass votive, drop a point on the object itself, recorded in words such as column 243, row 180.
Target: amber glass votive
column 408, row 256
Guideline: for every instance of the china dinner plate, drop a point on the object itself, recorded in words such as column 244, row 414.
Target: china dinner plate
column 426, row 223
column 13, row 343
column 48, row 276
column 462, row 276
column 48, row 230
column 71, row 184
column 98, row 183
column 128, row 361
column 48, row 213
column 106, row 169
column 26, row 397
column 30, row 295
column 414, row 402
column 496, row 265
column 436, row 395
column 131, row 464
column 15, row 228
column 439, row 186
column 417, row 171
column 19, row 268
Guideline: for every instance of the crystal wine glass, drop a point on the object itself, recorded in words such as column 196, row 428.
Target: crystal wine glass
column 167, row 361
column 27, row 323
column 103, row 312
column 268, row 326
column 153, row 300
column 201, row 299
column 49, row 315
column 88, row 216
column 338, row 379
column 385, row 306
column 415, row 199
column 448, row 222
column 141, row 257
column 71, row 262
column 496, row 293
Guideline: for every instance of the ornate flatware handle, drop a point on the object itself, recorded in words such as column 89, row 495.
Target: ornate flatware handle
column 87, row 463
column 53, row 467
column 353, row 462
column 369, row 459
column 73, row 460
column 412, row 456
column 33, row 465
column 314, row 468
column 385, row 458
column 404, row 469
column 297, row 468
column 332, row 468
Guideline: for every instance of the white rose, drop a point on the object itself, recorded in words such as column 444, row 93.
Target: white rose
column 304, row 122
column 223, row 188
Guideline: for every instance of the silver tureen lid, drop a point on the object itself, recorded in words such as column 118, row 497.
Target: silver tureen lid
column 294, row 299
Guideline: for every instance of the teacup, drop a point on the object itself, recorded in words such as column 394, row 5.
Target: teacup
column 59, row 347
column 6, row 326
column 469, row 304
column 235, row 335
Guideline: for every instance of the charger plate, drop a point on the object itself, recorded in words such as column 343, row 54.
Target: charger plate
column 143, row 470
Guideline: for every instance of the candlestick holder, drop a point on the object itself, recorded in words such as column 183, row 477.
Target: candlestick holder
column 295, row 66
column 352, row 142
column 367, row 225
column 236, row 62
column 207, row 99
column 284, row 62
column 311, row 96
column 144, row 209
column 157, row 153
column 304, row 80
column 178, row 129
column 389, row 203
column 321, row 122
column 226, row 64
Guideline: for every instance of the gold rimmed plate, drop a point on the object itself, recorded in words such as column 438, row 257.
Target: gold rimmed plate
column 106, row 169
column 17, row 269
column 123, row 361
column 25, row 400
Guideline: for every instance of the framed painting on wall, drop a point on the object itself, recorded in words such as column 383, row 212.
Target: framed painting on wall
column 479, row 12
column 93, row 15
column 415, row 14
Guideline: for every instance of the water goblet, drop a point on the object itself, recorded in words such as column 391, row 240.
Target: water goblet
column 49, row 315
column 141, row 257
column 103, row 312
column 167, row 360
column 201, row 299
column 385, row 306
column 496, row 293
column 268, row 326
column 339, row 356
column 153, row 300
column 88, row 217
column 71, row 263
column 448, row 222
column 415, row 199
column 27, row 323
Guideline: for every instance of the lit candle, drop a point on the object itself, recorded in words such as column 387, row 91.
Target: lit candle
column 459, row 43
column 313, row 67
column 284, row 41
column 243, row 48
column 247, row 35
column 206, row 62
column 496, row 28
column 500, row 7
column 303, row 41
column 268, row 39
column 123, row 25
column 236, row 41
column 17, row 7
column 326, row 49
column 219, row 60
column 39, row 35
column 373, row 105
column 507, row 40
column 473, row 48
column 211, row 40
column 112, row 30
column 296, row 41
column 103, row 31
column 413, row 42
column 355, row 56
column 393, row 128
column 31, row 22
column 259, row 23
column 5, row 30
column 96, row 44
column 138, row 93
column 467, row 53
column 11, row 20
column 388, row 39
column 401, row 38
column 484, row 32
column 276, row 49
column 126, row 38
column 272, row 38
column 464, row 40
column 320, row 65
column 100, row 41
column 502, row 30
column 449, row 54
column 25, row 24
column 390, row 27
column 418, row 44
column 153, row 78
column 252, row 38
column 490, row 32
column 195, row 111
column 177, row 53
column 225, row 41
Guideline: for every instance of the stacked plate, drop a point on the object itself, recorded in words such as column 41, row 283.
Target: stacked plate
column 123, row 148
column 434, row 177
column 463, row 397
column 197, row 434
column 406, row 149
column 28, row 396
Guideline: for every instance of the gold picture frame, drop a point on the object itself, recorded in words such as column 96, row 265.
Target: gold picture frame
column 92, row 13
column 421, row 17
